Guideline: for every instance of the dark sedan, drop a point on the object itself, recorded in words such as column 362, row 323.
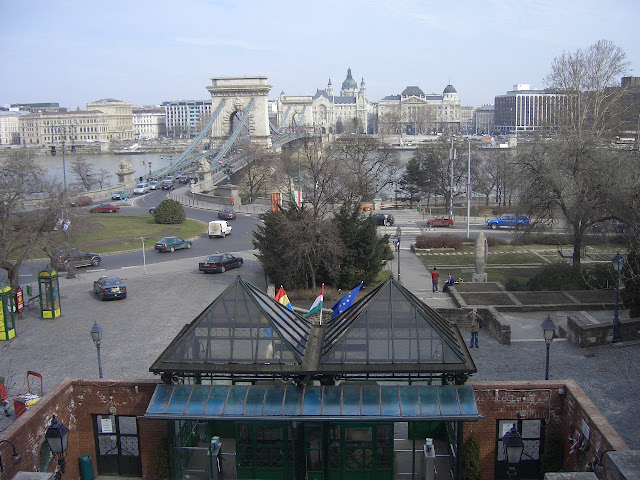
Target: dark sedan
column 383, row 219
column 227, row 214
column 105, row 208
column 76, row 258
column 108, row 288
column 220, row 262
column 171, row 244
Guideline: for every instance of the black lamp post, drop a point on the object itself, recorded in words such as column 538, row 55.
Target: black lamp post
column 618, row 264
column 57, row 437
column 96, row 335
column 15, row 457
column 513, row 448
column 549, row 329
column 398, row 234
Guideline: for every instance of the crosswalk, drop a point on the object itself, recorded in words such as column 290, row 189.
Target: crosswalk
column 410, row 230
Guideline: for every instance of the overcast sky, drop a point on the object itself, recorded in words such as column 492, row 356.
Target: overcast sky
column 149, row 51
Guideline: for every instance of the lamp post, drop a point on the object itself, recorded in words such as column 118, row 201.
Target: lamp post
column 468, row 186
column 513, row 448
column 96, row 335
column 398, row 234
column 618, row 264
column 62, row 130
column 57, row 437
column 549, row 329
column 15, row 457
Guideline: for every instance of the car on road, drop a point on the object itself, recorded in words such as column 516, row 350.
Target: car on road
column 141, row 189
column 508, row 220
column 383, row 219
column 264, row 213
column 227, row 214
column 108, row 288
column 440, row 221
column 105, row 208
column 168, row 183
column 121, row 195
column 171, row 244
column 153, row 184
column 183, row 178
column 76, row 258
column 220, row 262
column 81, row 201
column 152, row 210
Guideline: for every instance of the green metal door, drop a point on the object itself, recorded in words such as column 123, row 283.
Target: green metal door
column 264, row 450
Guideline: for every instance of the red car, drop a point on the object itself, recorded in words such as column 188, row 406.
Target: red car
column 81, row 201
column 441, row 221
column 105, row 208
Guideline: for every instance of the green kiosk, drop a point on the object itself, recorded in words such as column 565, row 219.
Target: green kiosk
column 49, row 294
column 7, row 308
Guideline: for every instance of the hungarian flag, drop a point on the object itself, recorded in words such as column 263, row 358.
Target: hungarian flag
column 317, row 304
column 345, row 302
column 281, row 297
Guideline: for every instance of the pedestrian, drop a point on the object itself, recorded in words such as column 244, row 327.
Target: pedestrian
column 434, row 279
column 474, row 327
column 3, row 397
column 449, row 283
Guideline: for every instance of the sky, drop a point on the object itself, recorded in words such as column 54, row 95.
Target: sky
column 149, row 51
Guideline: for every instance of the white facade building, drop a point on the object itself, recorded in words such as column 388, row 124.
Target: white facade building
column 483, row 119
column 51, row 128
column 149, row 123
column 186, row 118
column 119, row 118
column 10, row 128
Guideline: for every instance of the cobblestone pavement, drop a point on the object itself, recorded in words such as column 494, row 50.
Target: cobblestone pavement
column 171, row 294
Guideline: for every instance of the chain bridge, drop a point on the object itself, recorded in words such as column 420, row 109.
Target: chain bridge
column 240, row 111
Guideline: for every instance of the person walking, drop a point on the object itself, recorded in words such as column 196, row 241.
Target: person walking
column 474, row 327
column 434, row 279
column 3, row 397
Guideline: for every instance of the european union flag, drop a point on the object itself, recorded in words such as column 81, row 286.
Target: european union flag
column 346, row 301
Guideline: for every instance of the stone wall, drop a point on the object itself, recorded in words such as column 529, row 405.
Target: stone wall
column 589, row 335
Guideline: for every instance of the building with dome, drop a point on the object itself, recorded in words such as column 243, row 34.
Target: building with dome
column 414, row 112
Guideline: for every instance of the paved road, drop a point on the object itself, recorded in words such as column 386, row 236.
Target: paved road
column 173, row 293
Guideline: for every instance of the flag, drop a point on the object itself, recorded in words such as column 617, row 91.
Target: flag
column 345, row 302
column 281, row 297
column 317, row 304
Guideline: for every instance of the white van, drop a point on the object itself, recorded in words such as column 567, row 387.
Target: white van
column 219, row 228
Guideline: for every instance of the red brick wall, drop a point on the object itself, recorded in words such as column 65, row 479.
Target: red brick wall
column 538, row 400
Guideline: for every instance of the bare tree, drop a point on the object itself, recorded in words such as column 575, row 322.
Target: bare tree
column 84, row 172
column 259, row 166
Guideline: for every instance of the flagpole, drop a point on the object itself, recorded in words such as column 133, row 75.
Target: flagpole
column 322, row 293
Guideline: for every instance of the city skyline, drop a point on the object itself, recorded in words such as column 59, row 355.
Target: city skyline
column 73, row 52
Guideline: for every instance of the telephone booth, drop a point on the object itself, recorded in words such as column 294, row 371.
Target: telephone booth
column 7, row 307
column 49, row 294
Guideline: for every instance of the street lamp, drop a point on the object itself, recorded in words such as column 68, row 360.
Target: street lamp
column 398, row 234
column 618, row 264
column 513, row 448
column 15, row 457
column 96, row 335
column 549, row 329
column 57, row 437
column 468, row 187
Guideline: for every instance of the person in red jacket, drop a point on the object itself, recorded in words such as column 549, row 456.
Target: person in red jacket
column 3, row 397
column 434, row 279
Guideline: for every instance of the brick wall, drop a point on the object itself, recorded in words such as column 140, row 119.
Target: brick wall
column 563, row 404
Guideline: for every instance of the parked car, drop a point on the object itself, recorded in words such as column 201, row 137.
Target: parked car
column 81, row 201
column 121, row 195
column 152, row 210
column 508, row 220
column 183, row 178
column 383, row 219
column 171, row 244
column 76, row 258
column 227, row 214
column 440, row 221
column 105, row 208
column 264, row 213
column 168, row 183
column 220, row 262
column 153, row 184
column 141, row 188
column 108, row 288
column 219, row 228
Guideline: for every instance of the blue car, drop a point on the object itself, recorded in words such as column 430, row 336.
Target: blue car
column 109, row 288
column 171, row 244
column 508, row 220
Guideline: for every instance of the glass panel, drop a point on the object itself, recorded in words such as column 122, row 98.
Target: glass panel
column 467, row 400
column 107, row 445
column 255, row 400
column 128, row 425
column 273, row 401
column 198, row 400
column 312, row 405
column 292, row 401
column 389, row 401
column 350, row 400
column 217, row 401
column 235, row 401
column 358, row 435
column 179, row 399
column 409, row 401
column 429, row 405
column 448, row 401
column 331, row 401
column 531, row 428
column 370, row 400
column 159, row 400
column 129, row 446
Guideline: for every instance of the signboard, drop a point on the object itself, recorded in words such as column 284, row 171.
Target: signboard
column 106, row 426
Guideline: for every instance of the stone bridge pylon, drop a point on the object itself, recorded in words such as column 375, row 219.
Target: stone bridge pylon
column 238, row 93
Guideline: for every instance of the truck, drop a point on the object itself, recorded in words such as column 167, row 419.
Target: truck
column 508, row 220
column 219, row 228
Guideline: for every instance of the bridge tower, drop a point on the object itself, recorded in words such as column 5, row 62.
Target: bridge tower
column 237, row 94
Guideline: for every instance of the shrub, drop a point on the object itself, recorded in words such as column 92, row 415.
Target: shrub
column 562, row 276
column 542, row 239
column 471, row 462
column 553, row 453
column 496, row 241
column 514, row 285
column 170, row 212
column 442, row 241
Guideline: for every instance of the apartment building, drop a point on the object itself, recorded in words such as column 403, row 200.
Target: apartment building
column 51, row 128
column 149, row 123
column 186, row 118
column 119, row 116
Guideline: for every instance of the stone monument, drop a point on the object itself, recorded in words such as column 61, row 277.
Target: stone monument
column 481, row 255
column 125, row 174
column 205, row 177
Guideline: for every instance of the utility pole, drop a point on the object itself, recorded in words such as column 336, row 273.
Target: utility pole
column 468, row 186
column 452, row 156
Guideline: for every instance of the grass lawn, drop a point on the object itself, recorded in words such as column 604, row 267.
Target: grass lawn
column 107, row 233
